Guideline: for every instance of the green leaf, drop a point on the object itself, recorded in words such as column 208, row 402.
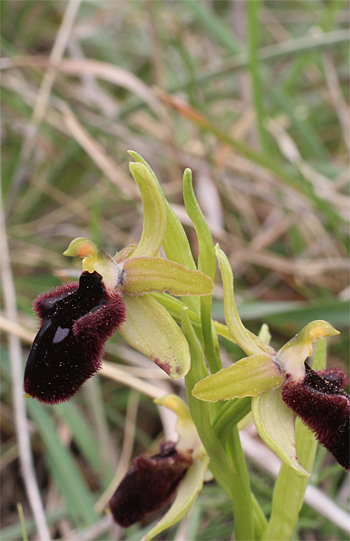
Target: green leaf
column 64, row 469
column 250, row 376
column 154, row 215
column 151, row 274
column 207, row 264
column 150, row 329
column 81, row 431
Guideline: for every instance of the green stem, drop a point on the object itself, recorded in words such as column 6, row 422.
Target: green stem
column 202, row 412
column 174, row 307
column 230, row 471
column 229, row 415
column 241, row 495
column 260, row 521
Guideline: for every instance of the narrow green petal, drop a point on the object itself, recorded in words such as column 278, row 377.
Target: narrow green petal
column 250, row 376
column 250, row 343
column 154, row 215
column 151, row 274
column 293, row 354
column 187, row 494
column 176, row 245
column 275, row 423
column 150, row 329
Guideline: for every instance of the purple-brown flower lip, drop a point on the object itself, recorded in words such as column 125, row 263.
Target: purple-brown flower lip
column 324, row 406
column 76, row 320
column 149, row 484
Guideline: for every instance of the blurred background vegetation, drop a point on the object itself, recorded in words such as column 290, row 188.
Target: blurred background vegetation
column 252, row 96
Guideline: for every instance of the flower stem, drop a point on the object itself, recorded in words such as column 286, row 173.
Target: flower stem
column 229, row 415
column 260, row 521
column 241, row 494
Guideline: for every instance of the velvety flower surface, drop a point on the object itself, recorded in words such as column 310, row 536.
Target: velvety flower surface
column 179, row 468
column 324, row 407
column 149, row 484
column 76, row 320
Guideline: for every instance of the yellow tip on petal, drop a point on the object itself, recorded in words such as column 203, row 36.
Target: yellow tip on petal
column 293, row 354
column 322, row 332
column 94, row 259
column 185, row 427
column 27, row 395
column 175, row 404
column 81, row 247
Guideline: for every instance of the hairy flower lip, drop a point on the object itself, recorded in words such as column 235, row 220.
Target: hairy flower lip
column 324, row 406
column 149, row 484
column 76, row 320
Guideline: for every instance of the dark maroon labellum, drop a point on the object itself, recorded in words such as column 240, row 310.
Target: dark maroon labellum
column 76, row 319
column 324, row 407
column 148, row 485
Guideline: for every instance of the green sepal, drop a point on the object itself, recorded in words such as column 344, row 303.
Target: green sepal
column 275, row 423
column 175, row 242
column 151, row 274
column 154, row 215
column 150, row 329
column 250, row 343
column 250, row 376
column 284, row 518
column 187, row 493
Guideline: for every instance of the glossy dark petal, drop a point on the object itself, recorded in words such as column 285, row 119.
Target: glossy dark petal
column 148, row 485
column 76, row 320
column 324, row 407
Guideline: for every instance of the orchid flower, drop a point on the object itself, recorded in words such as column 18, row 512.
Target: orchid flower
column 151, row 482
column 282, row 385
column 112, row 294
